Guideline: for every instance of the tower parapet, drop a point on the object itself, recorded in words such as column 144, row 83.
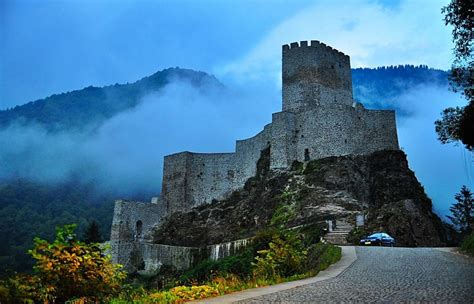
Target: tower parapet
column 314, row 74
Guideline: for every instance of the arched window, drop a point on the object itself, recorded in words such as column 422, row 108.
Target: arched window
column 138, row 229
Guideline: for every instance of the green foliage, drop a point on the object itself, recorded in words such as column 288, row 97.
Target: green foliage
column 92, row 234
column 320, row 256
column 284, row 257
column 463, row 211
column 311, row 233
column 30, row 209
column 448, row 127
column 297, row 166
column 468, row 245
column 356, row 234
column 457, row 124
column 67, row 269
column 283, row 213
column 312, row 167
column 239, row 265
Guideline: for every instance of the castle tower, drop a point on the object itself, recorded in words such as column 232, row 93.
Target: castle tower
column 314, row 75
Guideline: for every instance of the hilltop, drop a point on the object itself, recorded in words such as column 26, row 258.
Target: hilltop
column 88, row 108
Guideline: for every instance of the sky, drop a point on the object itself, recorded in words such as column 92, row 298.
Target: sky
column 49, row 47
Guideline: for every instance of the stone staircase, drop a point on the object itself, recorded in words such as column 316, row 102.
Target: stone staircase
column 339, row 233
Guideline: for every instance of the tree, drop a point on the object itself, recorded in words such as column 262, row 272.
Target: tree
column 460, row 15
column 92, row 234
column 69, row 269
column 463, row 211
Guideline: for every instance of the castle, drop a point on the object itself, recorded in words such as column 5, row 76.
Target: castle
column 319, row 118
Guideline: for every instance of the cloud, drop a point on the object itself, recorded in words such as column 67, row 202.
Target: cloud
column 441, row 169
column 125, row 155
column 372, row 34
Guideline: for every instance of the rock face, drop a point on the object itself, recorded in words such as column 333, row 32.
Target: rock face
column 379, row 185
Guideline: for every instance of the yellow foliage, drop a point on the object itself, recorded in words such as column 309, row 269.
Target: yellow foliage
column 69, row 270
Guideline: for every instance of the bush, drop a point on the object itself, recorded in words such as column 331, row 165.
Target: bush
column 320, row 256
column 67, row 269
column 240, row 265
column 468, row 245
column 356, row 234
column 284, row 257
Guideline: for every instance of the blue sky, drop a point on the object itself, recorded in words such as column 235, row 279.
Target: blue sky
column 55, row 46
column 50, row 47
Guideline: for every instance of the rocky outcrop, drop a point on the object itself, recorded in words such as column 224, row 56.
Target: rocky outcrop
column 379, row 185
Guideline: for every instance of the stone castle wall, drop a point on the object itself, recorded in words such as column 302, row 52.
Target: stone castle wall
column 192, row 179
column 314, row 74
column 319, row 119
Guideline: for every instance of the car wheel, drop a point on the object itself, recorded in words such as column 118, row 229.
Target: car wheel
column 391, row 244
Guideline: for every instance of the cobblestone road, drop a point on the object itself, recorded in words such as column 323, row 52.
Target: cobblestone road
column 390, row 275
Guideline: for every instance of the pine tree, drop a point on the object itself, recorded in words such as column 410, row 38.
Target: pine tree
column 463, row 212
column 92, row 234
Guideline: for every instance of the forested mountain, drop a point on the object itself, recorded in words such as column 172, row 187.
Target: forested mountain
column 378, row 88
column 87, row 108
column 30, row 209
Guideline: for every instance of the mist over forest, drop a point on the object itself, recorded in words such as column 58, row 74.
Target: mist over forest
column 86, row 148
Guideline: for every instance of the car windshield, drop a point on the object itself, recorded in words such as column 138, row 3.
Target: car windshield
column 375, row 235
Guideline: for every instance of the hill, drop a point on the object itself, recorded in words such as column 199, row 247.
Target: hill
column 85, row 109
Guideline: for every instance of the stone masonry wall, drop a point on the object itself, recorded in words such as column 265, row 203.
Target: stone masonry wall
column 131, row 223
column 314, row 74
column 192, row 179
column 335, row 130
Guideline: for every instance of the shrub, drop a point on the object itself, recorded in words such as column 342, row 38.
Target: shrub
column 320, row 256
column 312, row 167
column 297, row 166
column 239, row 265
column 468, row 245
column 67, row 269
column 356, row 234
column 284, row 257
column 312, row 233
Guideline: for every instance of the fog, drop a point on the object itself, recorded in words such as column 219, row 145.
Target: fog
column 124, row 156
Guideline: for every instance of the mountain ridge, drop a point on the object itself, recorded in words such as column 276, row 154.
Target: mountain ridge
column 71, row 110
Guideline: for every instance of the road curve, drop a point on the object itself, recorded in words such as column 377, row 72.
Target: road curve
column 390, row 275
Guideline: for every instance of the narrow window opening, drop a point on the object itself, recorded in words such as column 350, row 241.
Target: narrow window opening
column 306, row 154
column 138, row 229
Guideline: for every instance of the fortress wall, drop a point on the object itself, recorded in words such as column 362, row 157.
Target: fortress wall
column 282, row 152
column 324, row 131
column 174, row 185
column 379, row 132
column 153, row 256
column 340, row 130
column 132, row 221
column 211, row 176
column 314, row 73
column 192, row 179
column 248, row 153
column 128, row 213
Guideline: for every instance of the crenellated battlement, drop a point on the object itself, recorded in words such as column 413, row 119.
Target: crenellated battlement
column 314, row 74
column 315, row 44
